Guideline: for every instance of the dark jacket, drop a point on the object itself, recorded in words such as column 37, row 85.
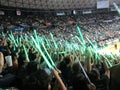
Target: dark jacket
column 115, row 77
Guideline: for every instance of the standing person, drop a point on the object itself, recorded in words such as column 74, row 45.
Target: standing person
column 66, row 69
column 79, row 81
column 6, row 78
column 115, row 77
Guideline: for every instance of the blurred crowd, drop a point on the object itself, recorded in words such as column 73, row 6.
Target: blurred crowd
column 26, row 69
column 100, row 28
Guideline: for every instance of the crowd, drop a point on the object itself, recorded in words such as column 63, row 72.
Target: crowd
column 23, row 66
column 99, row 28
column 31, row 72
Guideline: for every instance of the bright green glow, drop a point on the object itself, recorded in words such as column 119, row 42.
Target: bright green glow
column 17, row 41
column 94, row 47
column 26, row 37
column 26, row 54
column 48, row 54
column 46, row 41
column 3, row 34
column 79, row 40
column 67, row 47
column 84, row 47
column 107, row 61
column 81, row 36
column 12, row 38
column 62, row 52
column 39, row 49
column 82, row 67
column 20, row 40
column 35, row 33
column 117, row 8
column 53, row 40
column 42, row 43
column 111, row 55
column 90, row 42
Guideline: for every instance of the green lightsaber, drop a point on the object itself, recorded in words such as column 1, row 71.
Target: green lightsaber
column 53, row 41
column 12, row 38
column 68, row 46
column 3, row 34
column 17, row 41
column 42, row 43
column 107, row 60
column 81, row 36
column 20, row 40
column 89, row 51
column 95, row 48
column 79, row 40
column 48, row 44
column 84, row 72
column 90, row 42
column 111, row 55
column 35, row 33
column 117, row 8
column 26, row 37
column 26, row 54
column 39, row 49
column 40, row 40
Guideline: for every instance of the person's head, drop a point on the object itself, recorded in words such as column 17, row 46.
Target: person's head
column 21, row 60
column 76, row 67
column 32, row 66
column 68, row 60
column 79, row 80
column 45, row 80
column 39, row 80
column 95, row 74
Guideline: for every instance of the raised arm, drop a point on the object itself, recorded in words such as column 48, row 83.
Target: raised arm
column 59, row 80
column 1, row 61
column 107, row 71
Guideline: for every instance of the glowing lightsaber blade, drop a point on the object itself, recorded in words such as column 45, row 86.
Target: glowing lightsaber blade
column 53, row 40
column 42, row 43
column 26, row 54
column 82, row 68
column 47, row 41
column 12, row 38
column 3, row 34
column 107, row 61
column 39, row 49
column 81, row 36
column 117, row 8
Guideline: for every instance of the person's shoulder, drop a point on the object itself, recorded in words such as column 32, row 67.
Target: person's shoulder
column 115, row 72
column 104, row 79
column 114, row 68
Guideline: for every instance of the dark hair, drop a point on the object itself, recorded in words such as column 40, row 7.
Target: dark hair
column 32, row 66
column 76, row 67
column 21, row 59
column 38, row 80
column 67, row 59
column 95, row 74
